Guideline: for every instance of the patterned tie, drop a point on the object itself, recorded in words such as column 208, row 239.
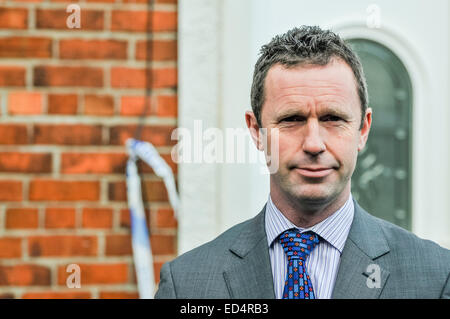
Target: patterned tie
column 297, row 247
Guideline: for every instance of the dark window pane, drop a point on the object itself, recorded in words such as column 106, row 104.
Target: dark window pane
column 382, row 179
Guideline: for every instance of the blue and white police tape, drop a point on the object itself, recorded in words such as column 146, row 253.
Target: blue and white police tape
column 142, row 253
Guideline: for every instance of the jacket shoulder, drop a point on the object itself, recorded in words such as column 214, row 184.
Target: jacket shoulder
column 401, row 238
column 414, row 251
column 415, row 264
column 214, row 248
column 198, row 273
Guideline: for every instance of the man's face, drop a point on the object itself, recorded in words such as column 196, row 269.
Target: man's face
column 317, row 113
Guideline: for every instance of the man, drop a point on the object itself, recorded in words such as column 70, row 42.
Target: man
column 311, row 239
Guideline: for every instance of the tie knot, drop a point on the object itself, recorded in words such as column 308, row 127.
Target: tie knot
column 298, row 245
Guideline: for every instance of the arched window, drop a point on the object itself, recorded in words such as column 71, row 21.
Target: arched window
column 382, row 179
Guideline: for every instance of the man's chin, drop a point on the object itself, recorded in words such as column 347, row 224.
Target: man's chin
column 313, row 199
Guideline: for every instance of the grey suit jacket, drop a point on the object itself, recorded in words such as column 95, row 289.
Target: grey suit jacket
column 236, row 264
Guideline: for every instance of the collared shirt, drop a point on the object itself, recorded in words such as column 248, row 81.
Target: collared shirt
column 323, row 263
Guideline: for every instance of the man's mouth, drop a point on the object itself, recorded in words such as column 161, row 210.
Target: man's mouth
column 314, row 171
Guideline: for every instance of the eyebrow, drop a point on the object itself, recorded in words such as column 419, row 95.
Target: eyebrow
column 325, row 111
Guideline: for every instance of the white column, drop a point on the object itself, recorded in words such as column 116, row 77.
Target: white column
column 199, row 45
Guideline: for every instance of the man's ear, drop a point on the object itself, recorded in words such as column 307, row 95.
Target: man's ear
column 253, row 126
column 364, row 134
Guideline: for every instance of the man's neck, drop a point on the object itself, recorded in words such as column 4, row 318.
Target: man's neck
column 305, row 215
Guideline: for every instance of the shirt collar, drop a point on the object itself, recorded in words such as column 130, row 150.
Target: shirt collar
column 334, row 229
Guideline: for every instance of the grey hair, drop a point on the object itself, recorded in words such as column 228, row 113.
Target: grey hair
column 305, row 45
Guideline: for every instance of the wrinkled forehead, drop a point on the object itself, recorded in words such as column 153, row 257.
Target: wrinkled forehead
column 333, row 84
column 316, row 80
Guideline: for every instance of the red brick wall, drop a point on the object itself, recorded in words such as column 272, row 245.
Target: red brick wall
column 69, row 99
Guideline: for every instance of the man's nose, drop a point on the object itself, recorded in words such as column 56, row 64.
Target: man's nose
column 313, row 143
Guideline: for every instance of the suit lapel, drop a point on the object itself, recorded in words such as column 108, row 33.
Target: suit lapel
column 249, row 275
column 358, row 265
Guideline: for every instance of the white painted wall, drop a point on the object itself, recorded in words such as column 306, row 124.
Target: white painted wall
column 199, row 46
column 219, row 43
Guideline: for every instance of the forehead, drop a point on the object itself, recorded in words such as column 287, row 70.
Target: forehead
column 333, row 84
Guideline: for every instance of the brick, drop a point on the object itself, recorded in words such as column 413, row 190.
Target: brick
column 158, row 135
column 157, row 50
column 56, row 190
column 167, row 1
column 13, row 18
column 62, row 246
column 165, row 218
column 163, row 244
column 25, row 47
column 117, row 191
column 57, row 18
column 63, row 76
column 144, row 21
column 156, row 1
column 93, row 49
column 12, row 75
column 67, row 134
column 164, row 78
column 124, row 77
column 157, row 270
column 154, row 191
column 125, row 220
column 17, row 162
column 21, row 218
column 99, row 105
column 13, row 134
column 10, row 247
column 135, row 105
column 60, row 217
column 63, row 104
column 118, row 245
column 151, row 191
column 57, row 295
column 97, row 218
column 10, row 191
column 137, row 21
column 164, row 21
column 118, row 295
column 93, row 163
column 93, row 274
column 25, row 103
column 24, row 275
column 167, row 106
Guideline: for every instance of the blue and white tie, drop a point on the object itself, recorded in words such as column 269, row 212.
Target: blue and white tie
column 297, row 247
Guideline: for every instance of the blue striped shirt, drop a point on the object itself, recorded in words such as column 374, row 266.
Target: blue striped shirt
column 323, row 263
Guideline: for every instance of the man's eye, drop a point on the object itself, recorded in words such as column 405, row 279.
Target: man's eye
column 331, row 118
column 294, row 118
